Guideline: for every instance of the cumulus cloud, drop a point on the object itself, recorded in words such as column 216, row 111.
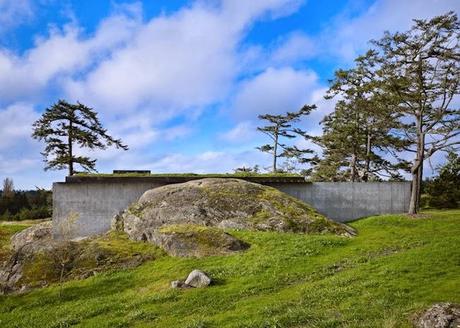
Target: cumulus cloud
column 18, row 151
column 62, row 53
column 16, row 125
column 296, row 47
column 207, row 162
column 175, row 64
column 274, row 91
column 348, row 37
column 14, row 12
column 243, row 131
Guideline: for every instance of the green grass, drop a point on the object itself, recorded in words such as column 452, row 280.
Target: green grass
column 395, row 266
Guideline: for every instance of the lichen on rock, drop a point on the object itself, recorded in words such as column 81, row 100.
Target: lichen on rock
column 195, row 241
column 37, row 260
column 225, row 203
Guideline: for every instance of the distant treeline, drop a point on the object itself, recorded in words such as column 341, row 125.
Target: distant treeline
column 25, row 205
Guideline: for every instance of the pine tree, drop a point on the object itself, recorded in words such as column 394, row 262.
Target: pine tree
column 421, row 70
column 65, row 126
column 357, row 138
column 282, row 126
column 443, row 191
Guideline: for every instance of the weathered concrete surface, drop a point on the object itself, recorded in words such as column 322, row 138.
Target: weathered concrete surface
column 94, row 203
column 346, row 201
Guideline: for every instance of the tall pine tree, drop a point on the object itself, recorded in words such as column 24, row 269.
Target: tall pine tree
column 65, row 126
column 421, row 71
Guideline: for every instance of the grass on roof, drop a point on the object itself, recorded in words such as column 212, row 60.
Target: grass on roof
column 192, row 175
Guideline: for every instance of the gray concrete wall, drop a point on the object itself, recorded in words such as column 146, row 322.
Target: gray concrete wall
column 346, row 201
column 95, row 203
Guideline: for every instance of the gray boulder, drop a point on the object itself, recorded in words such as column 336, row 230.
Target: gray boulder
column 41, row 232
column 225, row 203
column 198, row 279
column 440, row 315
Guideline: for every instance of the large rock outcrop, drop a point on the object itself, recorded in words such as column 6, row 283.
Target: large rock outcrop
column 223, row 203
column 36, row 259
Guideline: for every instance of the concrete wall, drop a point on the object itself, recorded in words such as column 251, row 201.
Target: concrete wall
column 95, row 203
column 346, row 201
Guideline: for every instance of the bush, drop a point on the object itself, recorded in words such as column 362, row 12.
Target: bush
column 443, row 191
column 32, row 214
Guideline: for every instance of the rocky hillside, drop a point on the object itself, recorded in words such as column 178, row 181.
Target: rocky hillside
column 32, row 258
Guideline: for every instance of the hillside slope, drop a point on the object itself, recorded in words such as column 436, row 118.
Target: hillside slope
column 395, row 266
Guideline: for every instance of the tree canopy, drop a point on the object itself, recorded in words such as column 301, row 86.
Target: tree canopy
column 65, row 126
column 278, row 129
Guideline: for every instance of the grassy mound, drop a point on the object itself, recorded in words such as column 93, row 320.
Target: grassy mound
column 396, row 266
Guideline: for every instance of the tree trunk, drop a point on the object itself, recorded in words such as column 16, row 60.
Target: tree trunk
column 417, row 175
column 353, row 167
column 417, row 169
column 275, row 150
column 69, row 140
column 413, row 194
column 368, row 158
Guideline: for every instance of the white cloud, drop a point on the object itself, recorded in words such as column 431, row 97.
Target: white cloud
column 175, row 64
column 15, row 165
column 296, row 47
column 242, row 132
column 16, row 125
column 274, row 91
column 207, row 162
column 18, row 151
column 348, row 37
column 14, row 12
column 62, row 53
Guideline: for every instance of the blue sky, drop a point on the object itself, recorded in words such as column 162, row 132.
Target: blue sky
column 181, row 82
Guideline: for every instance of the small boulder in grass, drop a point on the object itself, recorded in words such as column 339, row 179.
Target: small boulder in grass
column 196, row 279
column 439, row 315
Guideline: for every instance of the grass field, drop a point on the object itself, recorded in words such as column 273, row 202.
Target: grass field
column 396, row 266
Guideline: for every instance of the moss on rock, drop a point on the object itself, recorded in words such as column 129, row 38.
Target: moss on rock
column 187, row 240
column 224, row 203
column 40, row 263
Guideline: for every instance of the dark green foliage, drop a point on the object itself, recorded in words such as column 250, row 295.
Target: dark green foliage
column 357, row 135
column 26, row 205
column 282, row 127
column 64, row 126
column 443, row 191
column 420, row 69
